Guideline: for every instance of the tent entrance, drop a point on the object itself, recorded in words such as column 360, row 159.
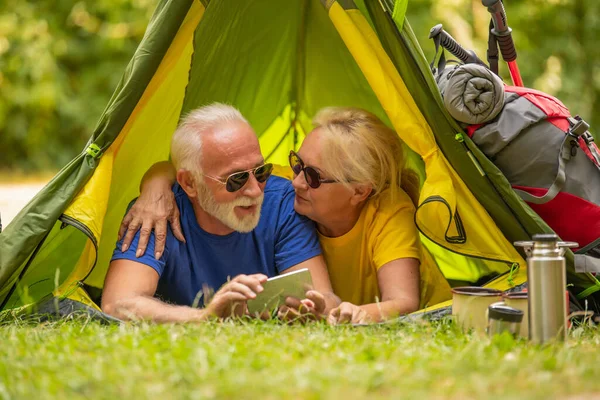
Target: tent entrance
column 37, row 281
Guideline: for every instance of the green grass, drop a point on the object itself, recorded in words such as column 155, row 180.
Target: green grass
column 268, row 360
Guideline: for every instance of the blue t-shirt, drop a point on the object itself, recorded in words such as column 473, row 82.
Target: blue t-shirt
column 281, row 240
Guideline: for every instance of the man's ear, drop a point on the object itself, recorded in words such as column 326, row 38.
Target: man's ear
column 187, row 182
column 361, row 193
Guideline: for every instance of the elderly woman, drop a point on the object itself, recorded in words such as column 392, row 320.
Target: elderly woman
column 349, row 179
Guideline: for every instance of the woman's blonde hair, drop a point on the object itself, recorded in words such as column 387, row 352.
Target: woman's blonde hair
column 359, row 147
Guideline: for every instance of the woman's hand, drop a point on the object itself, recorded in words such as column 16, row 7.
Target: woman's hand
column 309, row 309
column 152, row 210
column 348, row 313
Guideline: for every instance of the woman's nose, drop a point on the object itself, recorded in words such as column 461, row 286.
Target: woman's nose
column 299, row 182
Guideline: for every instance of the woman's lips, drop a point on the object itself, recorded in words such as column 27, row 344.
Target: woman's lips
column 300, row 198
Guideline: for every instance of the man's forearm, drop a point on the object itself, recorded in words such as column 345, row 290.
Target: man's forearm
column 151, row 309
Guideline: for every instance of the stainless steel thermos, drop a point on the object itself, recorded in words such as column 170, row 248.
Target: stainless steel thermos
column 547, row 282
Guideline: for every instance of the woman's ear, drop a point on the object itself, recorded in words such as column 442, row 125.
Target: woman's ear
column 361, row 193
column 187, row 182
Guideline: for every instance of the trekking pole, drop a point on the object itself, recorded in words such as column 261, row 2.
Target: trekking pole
column 439, row 35
column 503, row 34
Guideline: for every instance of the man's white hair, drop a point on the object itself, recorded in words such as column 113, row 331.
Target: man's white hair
column 186, row 143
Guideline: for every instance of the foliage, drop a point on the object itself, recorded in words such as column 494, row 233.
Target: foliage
column 269, row 360
column 61, row 60
column 59, row 63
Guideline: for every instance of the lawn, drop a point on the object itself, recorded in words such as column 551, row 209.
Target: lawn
column 267, row 360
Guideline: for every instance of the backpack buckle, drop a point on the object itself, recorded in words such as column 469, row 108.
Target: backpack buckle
column 578, row 127
column 588, row 138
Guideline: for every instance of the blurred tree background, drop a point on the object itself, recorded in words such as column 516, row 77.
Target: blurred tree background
column 59, row 64
column 61, row 60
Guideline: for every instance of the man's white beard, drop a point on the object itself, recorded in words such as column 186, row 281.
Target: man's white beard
column 225, row 212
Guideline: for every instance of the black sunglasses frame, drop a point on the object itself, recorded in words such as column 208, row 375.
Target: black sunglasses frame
column 311, row 175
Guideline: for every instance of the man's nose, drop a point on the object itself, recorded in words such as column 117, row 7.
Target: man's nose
column 252, row 188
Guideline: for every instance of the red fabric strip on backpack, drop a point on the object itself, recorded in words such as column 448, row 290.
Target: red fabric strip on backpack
column 571, row 217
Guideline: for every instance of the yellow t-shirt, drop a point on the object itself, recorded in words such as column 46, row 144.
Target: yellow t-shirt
column 385, row 231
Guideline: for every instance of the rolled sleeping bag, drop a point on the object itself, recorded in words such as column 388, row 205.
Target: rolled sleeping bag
column 472, row 93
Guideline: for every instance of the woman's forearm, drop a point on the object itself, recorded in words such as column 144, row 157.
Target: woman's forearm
column 162, row 173
column 399, row 287
column 384, row 310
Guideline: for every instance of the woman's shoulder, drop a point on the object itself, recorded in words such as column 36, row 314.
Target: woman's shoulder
column 390, row 202
column 391, row 229
column 388, row 212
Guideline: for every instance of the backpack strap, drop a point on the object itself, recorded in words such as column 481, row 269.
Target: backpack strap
column 566, row 149
column 579, row 129
column 585, row 263
column 577, row 136
column 492, row 51
column 439, row 56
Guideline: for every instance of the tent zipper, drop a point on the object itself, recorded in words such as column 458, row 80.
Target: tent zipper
column 66, row 220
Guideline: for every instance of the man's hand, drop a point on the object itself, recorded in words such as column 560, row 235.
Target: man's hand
column 152, row 210
column 347, row 313
column 309, row 309
column 231, row 299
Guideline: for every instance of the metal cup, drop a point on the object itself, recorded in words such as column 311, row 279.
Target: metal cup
column 469, row 306
column 518, row 300
column 503, row 318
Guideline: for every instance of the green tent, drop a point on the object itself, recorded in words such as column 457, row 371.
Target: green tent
column 278, row 62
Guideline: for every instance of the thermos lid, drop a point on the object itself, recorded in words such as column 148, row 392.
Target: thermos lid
column 502, row 312
column 545, row 237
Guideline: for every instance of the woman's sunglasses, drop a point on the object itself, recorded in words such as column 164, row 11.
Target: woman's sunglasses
column 311, row 175
column 237, row 180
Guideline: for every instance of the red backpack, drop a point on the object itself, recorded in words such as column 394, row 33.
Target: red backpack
column 548, row 156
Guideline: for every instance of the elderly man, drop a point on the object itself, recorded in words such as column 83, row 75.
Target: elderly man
column 238, row 223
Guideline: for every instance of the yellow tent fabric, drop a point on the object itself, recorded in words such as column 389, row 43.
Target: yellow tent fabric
column 442, row 182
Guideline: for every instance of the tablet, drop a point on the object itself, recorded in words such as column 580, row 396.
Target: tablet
column 276, row 289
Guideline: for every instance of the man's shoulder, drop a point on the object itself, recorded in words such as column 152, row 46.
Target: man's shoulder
column 277, row 184
column 178, row 191
column 278, row 204
column 278, row 190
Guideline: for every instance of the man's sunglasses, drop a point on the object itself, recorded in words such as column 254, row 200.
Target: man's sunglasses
column 237, row 180
column 311, row 175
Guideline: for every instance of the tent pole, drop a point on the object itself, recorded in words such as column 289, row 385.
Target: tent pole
column 299, row 75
